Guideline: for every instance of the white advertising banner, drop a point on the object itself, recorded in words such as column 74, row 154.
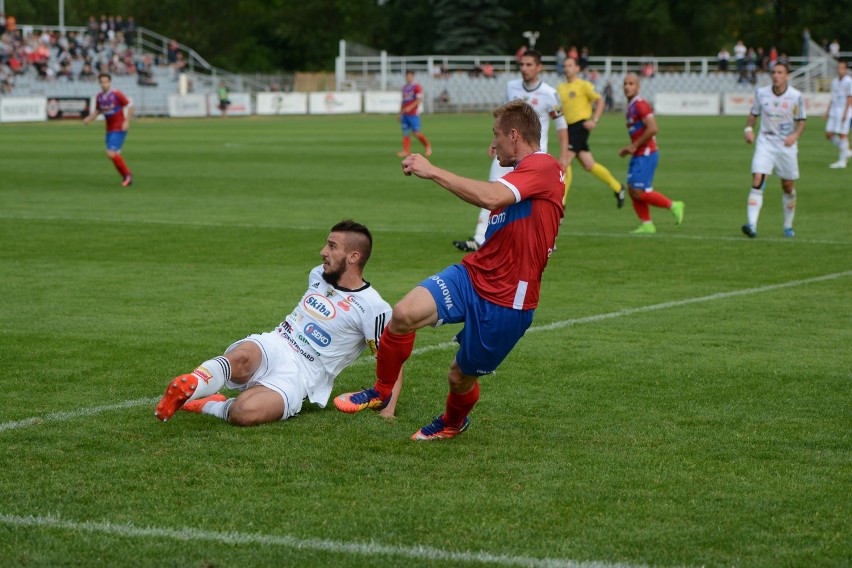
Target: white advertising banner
column 282, row 103
column 388, row 102
column 687, row 104
column 240, row 104
column 187, row 105
column 23, row 109
column 816, row 103
column 737, row 104
column 334, row 103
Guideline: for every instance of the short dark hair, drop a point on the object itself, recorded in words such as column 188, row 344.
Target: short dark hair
column 534, row 54
column 784, row 65
column 107, row 75
column 359, row 238
column 522, row 117
column 572, row 58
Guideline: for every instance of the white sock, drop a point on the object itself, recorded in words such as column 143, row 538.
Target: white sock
column 481, row 226
column 219, row 409
column 755, row 202
column 835, row 139
column 789, row 201
column 844, row 149
column 212, row 376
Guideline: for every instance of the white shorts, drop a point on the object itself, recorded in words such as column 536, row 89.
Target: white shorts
column 782, row 161
column 498, row 171
column 278, row 371
column 837, row 123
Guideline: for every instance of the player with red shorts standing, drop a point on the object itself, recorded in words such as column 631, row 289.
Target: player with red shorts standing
column 493, row 291
column 112, row 104
column 409, row 116
column 642, row 128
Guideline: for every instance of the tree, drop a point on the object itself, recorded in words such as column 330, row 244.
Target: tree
column 475, row 27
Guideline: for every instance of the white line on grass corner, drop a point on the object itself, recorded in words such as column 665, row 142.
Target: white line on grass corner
column 366, row 549
column 642, row 309
column 62, row 416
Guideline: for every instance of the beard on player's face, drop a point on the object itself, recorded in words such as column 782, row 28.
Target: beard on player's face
column 334, row 271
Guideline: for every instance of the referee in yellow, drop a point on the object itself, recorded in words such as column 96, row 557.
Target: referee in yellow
column 577, row 96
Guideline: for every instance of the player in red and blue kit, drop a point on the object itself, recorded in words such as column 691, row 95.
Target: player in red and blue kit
column 642, row 127
column 409, row 116
column 493, row 291
column 112, row 104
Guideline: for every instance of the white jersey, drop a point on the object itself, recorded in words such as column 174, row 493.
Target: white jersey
column 841, row 89
column 544, row 99
column 329, row 328
column 778, row 115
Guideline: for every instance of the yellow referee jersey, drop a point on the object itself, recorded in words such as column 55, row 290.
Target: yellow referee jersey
column 577, row 98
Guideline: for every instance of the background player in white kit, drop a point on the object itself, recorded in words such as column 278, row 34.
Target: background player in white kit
column 839, row 113
column 339, row 316
column 545, row 100
column 782, row 120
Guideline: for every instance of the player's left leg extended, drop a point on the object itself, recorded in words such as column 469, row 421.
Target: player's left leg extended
column 604, row 175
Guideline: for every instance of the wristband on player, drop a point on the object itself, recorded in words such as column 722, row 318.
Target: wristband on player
column 748, row 129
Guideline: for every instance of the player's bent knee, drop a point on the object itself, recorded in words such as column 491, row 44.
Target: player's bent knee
column 253, row 411
column 111, row 154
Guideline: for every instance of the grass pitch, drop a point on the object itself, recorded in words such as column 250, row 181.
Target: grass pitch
column 682, row 399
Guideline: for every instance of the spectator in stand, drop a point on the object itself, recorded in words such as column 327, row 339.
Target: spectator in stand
column 773, row 57
column 572, row 52
column 751, row 65
column 609, row 100
column 583, row 61
column 130, row 30
column 92, row 27
column 784, row 59
column 560, row 59
column 722, row 58
column 648, row 70
column 87, row 73
column 740, row 52
column 520, row 53
column 760, row 59
column 834, row 49
column 145, row 72
column 119, row 24
column 172, row 52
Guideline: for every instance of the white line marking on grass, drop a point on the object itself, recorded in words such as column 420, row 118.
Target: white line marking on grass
column 642, row 309
column 366, row 549
column 429, row 230
column 63, row 416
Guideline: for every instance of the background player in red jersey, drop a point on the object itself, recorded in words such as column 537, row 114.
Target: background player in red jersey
column 112, row 104
column 409, row 116
column 494, row 290
column 642, row 127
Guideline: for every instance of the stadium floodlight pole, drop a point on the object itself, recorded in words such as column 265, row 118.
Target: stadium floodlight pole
column 531, row 37
column 62, row 16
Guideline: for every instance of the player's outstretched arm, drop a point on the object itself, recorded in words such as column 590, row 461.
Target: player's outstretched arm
column 488, row 195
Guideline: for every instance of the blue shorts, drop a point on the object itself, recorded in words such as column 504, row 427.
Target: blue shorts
column 490, row 331
column 640, row 172
column 115, row 140
column 410, row 122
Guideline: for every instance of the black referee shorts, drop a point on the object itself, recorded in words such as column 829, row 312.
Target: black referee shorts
column 578, row 138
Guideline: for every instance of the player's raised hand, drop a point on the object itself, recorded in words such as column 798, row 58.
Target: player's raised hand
column 416, row 164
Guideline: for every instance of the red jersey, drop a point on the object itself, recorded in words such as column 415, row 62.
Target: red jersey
column 412, row 92
column 637, row 111
column 507, row 268
column 112, row 104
